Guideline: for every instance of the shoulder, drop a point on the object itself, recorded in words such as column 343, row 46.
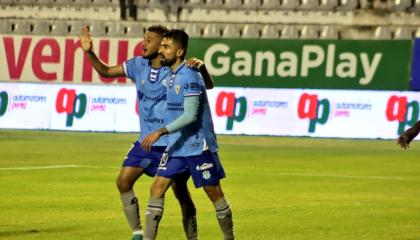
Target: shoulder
column 139, row 60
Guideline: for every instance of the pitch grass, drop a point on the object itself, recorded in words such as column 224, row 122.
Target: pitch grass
column 279, row 188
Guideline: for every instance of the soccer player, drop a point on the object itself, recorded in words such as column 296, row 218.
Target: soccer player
column 408, row 135
column 147, row 73
column 192, row 141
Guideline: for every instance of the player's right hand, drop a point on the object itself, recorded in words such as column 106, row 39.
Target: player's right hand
column 85, row 40
column 407, row 136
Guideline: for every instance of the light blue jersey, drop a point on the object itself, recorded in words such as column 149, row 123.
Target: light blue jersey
column 193, row 139
column 151, row 95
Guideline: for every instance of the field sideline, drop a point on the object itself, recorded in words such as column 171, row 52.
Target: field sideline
column 61, row 185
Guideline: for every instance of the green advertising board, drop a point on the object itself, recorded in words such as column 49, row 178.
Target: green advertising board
column 320, row 64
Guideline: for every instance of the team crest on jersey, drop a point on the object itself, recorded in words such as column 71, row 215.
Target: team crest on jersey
column 206, row 175
column 177, row 88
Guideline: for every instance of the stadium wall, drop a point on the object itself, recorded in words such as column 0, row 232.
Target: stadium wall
column 278, row 112
column 262, row 63
column 265, row 87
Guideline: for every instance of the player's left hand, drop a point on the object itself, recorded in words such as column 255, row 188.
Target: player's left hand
column 194, row 63
column 407, row 136
column 148, row 141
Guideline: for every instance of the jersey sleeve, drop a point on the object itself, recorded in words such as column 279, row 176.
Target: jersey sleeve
column 132, row 67
column 194, row 85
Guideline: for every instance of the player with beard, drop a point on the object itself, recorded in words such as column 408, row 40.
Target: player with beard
column 149, row 76
column 192, row 145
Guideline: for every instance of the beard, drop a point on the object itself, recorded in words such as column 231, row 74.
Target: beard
column 167, row 61
column 151, row 56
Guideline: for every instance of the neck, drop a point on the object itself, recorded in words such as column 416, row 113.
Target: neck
column 176, row 64
column 156, row 62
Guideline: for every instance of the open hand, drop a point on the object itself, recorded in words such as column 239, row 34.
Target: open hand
column 85, row 40
column 148, row 141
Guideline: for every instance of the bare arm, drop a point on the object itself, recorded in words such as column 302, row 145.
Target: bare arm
column 199, row 64
column 103, row 69
column 408, row 135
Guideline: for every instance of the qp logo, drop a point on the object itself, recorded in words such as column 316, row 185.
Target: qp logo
column 316, row 110
column 399, row 109
column 70, row 103
column 4, row 100
column 227, row 105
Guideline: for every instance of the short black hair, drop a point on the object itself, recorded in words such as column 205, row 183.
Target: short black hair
column 159, row 29
column 179, row 36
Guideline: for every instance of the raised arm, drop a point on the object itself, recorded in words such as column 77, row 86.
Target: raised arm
column 102, row 68
column 408, row 135
column 199, row 64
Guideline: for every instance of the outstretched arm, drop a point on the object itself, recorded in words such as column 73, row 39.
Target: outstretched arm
column 408, row 135
column 103, row 69
column 199, row 64
column 191, row 105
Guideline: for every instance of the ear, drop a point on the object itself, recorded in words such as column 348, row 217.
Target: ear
column 180, row 52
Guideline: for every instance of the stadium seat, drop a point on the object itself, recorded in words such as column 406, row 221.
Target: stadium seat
column 4, row 26
column 328, row 5
column 270, row 31
column 132, row 29
column 213, row 3
column 347, row 5
column 151, row 14
column 211, row 31
column 289, row 4
column 380, row 5
column 41, row 27
column 382, row 32
column 309, row 5
column 289, row 32
column 403, row 33
column 20, row 26
column 232, row 4
column 251, row 4
column 416, row 6
column 75, row 27
column 231, row 31
column 251, row 31
column 59, row 28
column 270, row 4
column 329, row 32
column 193, row 30
column 309, row 32
column 62, row 2
column 400, row 5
